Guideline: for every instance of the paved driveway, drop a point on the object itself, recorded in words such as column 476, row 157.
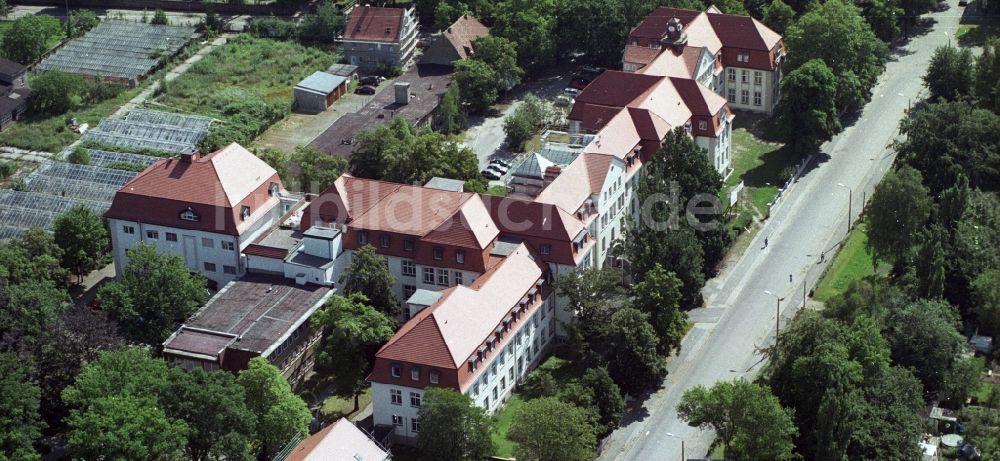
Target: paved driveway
column 810, row 218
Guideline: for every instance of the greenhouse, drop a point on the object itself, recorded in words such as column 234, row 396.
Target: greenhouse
column 120, row 51
column 147, row 129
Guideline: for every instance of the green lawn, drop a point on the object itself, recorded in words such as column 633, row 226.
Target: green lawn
column 247, row 83
column 505, row 448
column 762, row 166
column 852, row 262
column 52, row 133
column 498, row 190
column 335, row 407
column 975, row 34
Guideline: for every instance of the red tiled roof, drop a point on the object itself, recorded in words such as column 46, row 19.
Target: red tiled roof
column 656, row 23
column 691, row 94
column 740, row 32
column 617, row 89
column 340, row 441
column 640, row 54
column 371, row 23
column 463, row 32
column 593, row 117
column 214, row 186
column 420, row 340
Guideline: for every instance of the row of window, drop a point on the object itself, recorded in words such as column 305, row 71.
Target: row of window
column 396, row 398
column 172, row 237
column 211, row 267
column 758, row 76
column 385, row 241
column 745, row 96
column 442, row 278
column 433, row 375
column 397, row 420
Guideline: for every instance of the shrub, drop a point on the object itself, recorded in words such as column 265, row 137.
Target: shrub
column 79, row 156
column 56, row 92
column 272, row 27
column 127, row 166
column 160, row 18
column 7, row 168
column 82, row 21
column 388, row 70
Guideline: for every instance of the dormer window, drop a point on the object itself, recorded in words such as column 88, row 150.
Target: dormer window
column 460, row 256
column 438, row 253
column 546, row 248
column 407, row 244
column 396, row 370
column 272, row 189
column 244, row 212
column 190, row 215
column 384, row 240
column 702, row 125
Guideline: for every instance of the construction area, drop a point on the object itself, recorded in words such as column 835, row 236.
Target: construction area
column 119, row 52
column 55, row 187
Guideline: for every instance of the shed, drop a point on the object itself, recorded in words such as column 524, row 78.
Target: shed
column 318, row 91
column 344, row 70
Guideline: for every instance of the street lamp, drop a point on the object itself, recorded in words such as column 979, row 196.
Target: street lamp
column 777, row 314
column 850, row 199
column 671, row 434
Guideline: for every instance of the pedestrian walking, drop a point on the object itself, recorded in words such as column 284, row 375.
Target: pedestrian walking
column 789, row 278
column 765, row 242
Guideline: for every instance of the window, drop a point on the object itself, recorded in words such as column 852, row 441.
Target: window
column 545, row 248
column 495, row 395
column 362, row 237
column 428, row 275
column 486, row 402
column 384, row 241
column 744, row 77
column 743, row 56
column 231, row 270
column 702, row 125
column 732, row 75
column 408, row 291
column 210, row 267
column 415, row 373
column 756, row 98
column 458, row 278
column 511, row 374
column 128, row 230
column 396, row 371
column 758, row 77
column 407, row 244
column 244, row 212
column 493, row 370
column 226, row 245
column 731, row 96
column 414, row 400
column 438, row 253
column 409, row 269
column 272, row 189
column 415, row 425
column 460, row 256
column 434, row 376
column 443, row 277
column 396, row 396
column 189, row 215
column 171, row 237
column 503, row 382
column 744, row 97
column 153, row 235
column 207, row 242
column 397, row 420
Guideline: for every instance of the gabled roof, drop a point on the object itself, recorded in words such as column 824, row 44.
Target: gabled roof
column 655, row 24
column 463, row 32
column 533, row 218
column 640, row 54
column 670, row 63
column 577, row 182
column 8, row 67
column 340, row 441
column 743, row 32
column 617, row 138
column 321, row 82
column 374, row 24
column 445, row 334
column 222, row 180
column 616, row 89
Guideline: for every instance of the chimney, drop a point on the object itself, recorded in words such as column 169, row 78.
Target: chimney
column 551, row 173
column 188, row 156
column 402, row 91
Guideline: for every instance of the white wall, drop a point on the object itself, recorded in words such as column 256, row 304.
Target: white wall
column 396, row 268
column 767, row 88
column 189, row 246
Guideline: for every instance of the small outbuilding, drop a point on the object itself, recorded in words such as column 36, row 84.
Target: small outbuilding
column 13, row 92
column 317, row 92
column 344, row 70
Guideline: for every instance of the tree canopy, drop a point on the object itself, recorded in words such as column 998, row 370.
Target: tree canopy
column 20, row 424
column 452, row 428
column 400, row 152
column 368, row 274
column 899, row 208
column 808, row 107
column 28, row 38
column 550, row 429
column 476, row 82
column 659, row 295
column 280, row 414
column 83, row 238
column 950, row 73
column 153, row 291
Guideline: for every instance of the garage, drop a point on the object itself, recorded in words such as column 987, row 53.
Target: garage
column 317, row 92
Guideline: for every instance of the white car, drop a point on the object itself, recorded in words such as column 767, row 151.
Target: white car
column 571, row 91
column 490, row 174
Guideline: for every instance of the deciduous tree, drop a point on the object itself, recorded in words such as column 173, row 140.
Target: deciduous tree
column 27, row 39
column 552, row 430
column 501, row 55
column 83, row 238
column 353, row 332
column 34, row 257
column 452, row 428
column 317, row 169
column 607, row 397
column 987, row 82
column 125, row 427
column 29, row 312
column 219, row 424
column 808, row 107
column 986, row 295
column 899, row 209
column 280, row 414
column 20, row 425
column 324, row 26
column 594, row 29
column 152, row 292
column 778, row 15
column 745, row 416
column 531, row 25
column 633, row 361
column 55, row 92
column 659, row 296
column 476, row 82
column 368, row 274
column 924, row 335
column 450, row 119
column 950, row 73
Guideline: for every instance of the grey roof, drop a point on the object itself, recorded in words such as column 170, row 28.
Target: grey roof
column 552, row 154
column 449, row 184
column 12, row 68
column 325, row 233
column 343, row 70
column 321, row 82
column 423, row 297
column 504, row 246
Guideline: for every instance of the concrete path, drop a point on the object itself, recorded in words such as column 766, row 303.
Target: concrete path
column 812, row 217
column 13, row 153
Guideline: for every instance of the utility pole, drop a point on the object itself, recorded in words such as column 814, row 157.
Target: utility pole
column 777, row 314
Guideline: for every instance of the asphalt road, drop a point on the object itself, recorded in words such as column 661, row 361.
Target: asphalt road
column 811, row 217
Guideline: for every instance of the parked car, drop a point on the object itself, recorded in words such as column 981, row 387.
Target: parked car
column 942, row 6
column 372, row 80
column 501, row 162
column 490, row 174
column 579, row 83
column 365, row 90
column 571, row 91
column 592, row 69
column 498, row 168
